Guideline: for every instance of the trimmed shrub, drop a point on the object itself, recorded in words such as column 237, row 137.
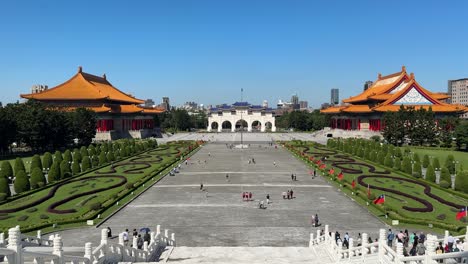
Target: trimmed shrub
column 47, row 160
column 84, row 151
column 461, row 181
column 116, row 154
column 91, row 150
column 77, row 156
column 54, row 172
column 85, row 163
column 23, row 218
column 110, row 156
column 67, row 155
column 3, row 197
column 425, row 162
column 129, row 186
column 388, row 161
column 76, row 168
column 397, row 164
column 21, row 182
column 7, row 170
column 416, row 157
column 102, row 158
column 5, row 187
column 375, row 138
column 35, row 163
column 406, row 166
column 36, row 177
column 19, row 165
column 95, row 206
column 436, row 163
column 43, row 216
column 450, row 163
column 31, row 210
column 444, row 184
column 58, row 157
column 65, row 170
column 445, row 175
column 95, row 161
column 430, row 174
column 417, row 171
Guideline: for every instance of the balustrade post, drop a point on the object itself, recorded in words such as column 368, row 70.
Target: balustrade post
column 399, row 252
column 134, row 242
column 2, row 238
column 121, row 239
column 446, row 235
column 173, row 243
column 318, row 236
column 382, row 237
column 158, row 229
column 39, row 237
column 58, row 249
column 104, row 236
column 14, row 243
column 145, row 246
column 311, row 239
column 364, row 244
column 88, row 249
column 430, row 247
column 332, row 241
column 340, row 249
column 153, row 236
column 465, row 242
column 350, row 246
column 326, row 232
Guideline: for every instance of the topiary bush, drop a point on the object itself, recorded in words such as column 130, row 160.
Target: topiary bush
column 65, row 170
column 406, row 166
column 84, row 151
column 110, row 156
column 417, row 171
column 129, row 186
column 397, row 164
column 95, row 206
column 76, row 167
column 35, row 163
column 95, row 161
column 58, row 157
column 67, row 156
column 445, row 175
column 6, row 171
column 461, row 181
column 77, row 156
column 388, row 161
column 3, row 196
column 436, row 163
column 47, row 160
column 444, row 184
column 54, row 172
column 85, row 163
column 36, row 177
column 102, row 158
column 43, row 216
column 430, row 174
column 23, row 218
column 416, row 157
column 5, row 187
column 425, row 162
column 31, row 210
column 19, row 165
column 21, row 183
column 450, row 163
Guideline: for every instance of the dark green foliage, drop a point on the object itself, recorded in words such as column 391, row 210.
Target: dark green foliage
column 91, row 150
column 47, row 160
column 95, row 161
column 461, row 181
column 445, row 175
column 436, row 163
column 43, row 216
column 67, row 156
column 54, row 172
column 95, row 206
column 77, row 156
column 116, row 154
column 406, row 165
column 375, row 138
column 430, row 174
column 36, row 177
column 444, row 184
column 85, row 163
column 461, row 135
column 397, row 164
column 31, row 210
column 21, row 183
column 23, row 218
column 381, row 157
column 7, row 170
column 83, row 123
column 76, row 168
column 4, row 187
column 425, row 161
column 110, row 156
column 84, row 151
column 19, row 165
column 3, row 197
column 450, row 163
column 35, row 163
column 129, row 185
column 388, row 160
column 58, row 156
column 416, row 157
column 65, row 170
column 102, row 158
column 417, row 171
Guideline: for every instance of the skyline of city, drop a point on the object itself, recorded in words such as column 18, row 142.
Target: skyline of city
column 206, row 52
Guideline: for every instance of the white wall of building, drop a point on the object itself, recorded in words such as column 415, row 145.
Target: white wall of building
column 234, row 117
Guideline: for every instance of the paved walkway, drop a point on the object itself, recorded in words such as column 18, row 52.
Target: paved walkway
column 217, row 216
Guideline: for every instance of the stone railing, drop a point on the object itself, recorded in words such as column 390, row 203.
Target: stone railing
column 381, row 252
column 17, row 252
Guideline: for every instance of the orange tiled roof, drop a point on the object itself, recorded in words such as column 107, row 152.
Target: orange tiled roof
column 435, row 108
column 332, row 110
column 97, row 109
column 84, row 86
column 357, row 109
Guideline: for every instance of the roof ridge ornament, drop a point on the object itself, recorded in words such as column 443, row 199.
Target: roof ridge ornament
column 104, row 76
column 80, row 69
column 403, row 68
column 379, row 76
column 412, row 76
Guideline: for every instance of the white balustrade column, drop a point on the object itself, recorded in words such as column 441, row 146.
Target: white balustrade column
column 364, row 244
column 121, row 239
column 39, row 234
column 158, row 229
column 446, row 235
column 382, row 237
column 134, row 242
column 399, row 250
column 326, row 232
column 88, row 249
column 318, row 236
column 14, row 243
column 311, row 239
column 2, row 238
column 351, row 245
column 145, row 246
column 104, row 236
column 58, row 249
column 166, row 235
column 153, row 236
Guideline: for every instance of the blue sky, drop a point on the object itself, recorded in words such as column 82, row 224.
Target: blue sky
column 206, row 51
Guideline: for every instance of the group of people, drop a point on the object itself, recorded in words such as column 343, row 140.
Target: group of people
column 246, row 196
column 315, row 220
column 293, row 177
column 413, row 241
column 252, row 160
column 140, row 240
column 288, row 195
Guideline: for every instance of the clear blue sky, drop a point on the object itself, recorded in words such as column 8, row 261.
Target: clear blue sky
column 206, row 51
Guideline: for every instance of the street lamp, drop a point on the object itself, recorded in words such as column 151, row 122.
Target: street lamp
column 455, row 167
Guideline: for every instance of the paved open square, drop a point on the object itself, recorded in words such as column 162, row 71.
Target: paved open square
column 217, row 215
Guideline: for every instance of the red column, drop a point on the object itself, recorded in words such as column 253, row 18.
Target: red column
column 359, row 124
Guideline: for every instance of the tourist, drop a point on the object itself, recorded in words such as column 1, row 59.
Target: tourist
column 147, row 237
column 292, row 197
column 401, row 237
column 359, row 240
column 135, row 232
column 139, row 242
column 422, row 237
column 274, row 163
column 369, row 240
column 268, row 198
column 312, row 220
column 284, row 195
column 337, row 237
column 227, row 177
column 289, row 195
column 440, row 250
column 209, row 154
column 416, row 239
column 450, row 241
column 411, row 239
column 253, row 160
column 420, row 249
column 109, row 232
column 390, row 238
column 261, row 205
column 125, row 237
column 201, row 186
column 316, row 220
column 243, row 196
column 295, row 177
column 250, row 196
column 346, row 240
column 292, row 177
column 406, row 238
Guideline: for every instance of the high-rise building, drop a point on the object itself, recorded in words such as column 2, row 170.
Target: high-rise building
column 265, row 104
column 149, row 103
column 38, row 88
column 165, row 103
column 458, row 92
column 335, row 96
column 303, row 105
column 295, row 102
column 368, row 84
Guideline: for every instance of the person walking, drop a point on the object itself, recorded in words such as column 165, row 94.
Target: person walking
column 140, row 242
column 125, row 237
column 109, row 232
column 147, row 237
column 316, row 218
column 135, row 233
column 292, row 177
column 201, row 186
column 390, row 238
column 227, row 177
column 291, row 192
column 268, row 198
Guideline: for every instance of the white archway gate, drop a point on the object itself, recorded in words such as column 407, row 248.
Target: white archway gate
column 234, row 117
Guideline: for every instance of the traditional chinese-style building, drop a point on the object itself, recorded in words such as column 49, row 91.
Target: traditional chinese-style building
column 388, row 93
column 119, row 115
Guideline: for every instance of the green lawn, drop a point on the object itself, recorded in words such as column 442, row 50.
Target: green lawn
column 136, row 170
column 461, row 157
column 397, row 202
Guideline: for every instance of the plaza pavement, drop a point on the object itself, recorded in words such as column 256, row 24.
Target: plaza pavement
column 219, row 217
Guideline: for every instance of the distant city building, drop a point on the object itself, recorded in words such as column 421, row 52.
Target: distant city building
column 458, row 92
column 38, row 88
column 295, row 102
column 265, row 103
column 190, row 106
column 325, row 106
column 303, row 105
column 335, row 96
column 165, row 103
column 149, row 103
column 368, row 84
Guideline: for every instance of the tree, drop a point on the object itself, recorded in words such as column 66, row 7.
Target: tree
column 445, row 175
column 397, row 164
column 84, row 151
column 83, row 122
column 6, row 170
column 388, row 161
column 85, row 163
column 5, row 187
column 37, row 178
column 461, row 181
column 47, row 160
column 91, row 150
column 430, row 174
column 76, row 168
column 446, row 128
column 58, row 156
column 436, row 163
column 21, row 183
column 393, row 131
column 8, row 129
column 77, row 156
column 102, row 158
column 461, row 135
column 110, row 156
column 54, row 172
column 95, row 161
column 406, row 165
column 19, row 165
column 417, row 171
column 35, row 163
column 450, row 163
column 67, row 156
column 65, row 170
column 416, row 157
column 426, row 161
